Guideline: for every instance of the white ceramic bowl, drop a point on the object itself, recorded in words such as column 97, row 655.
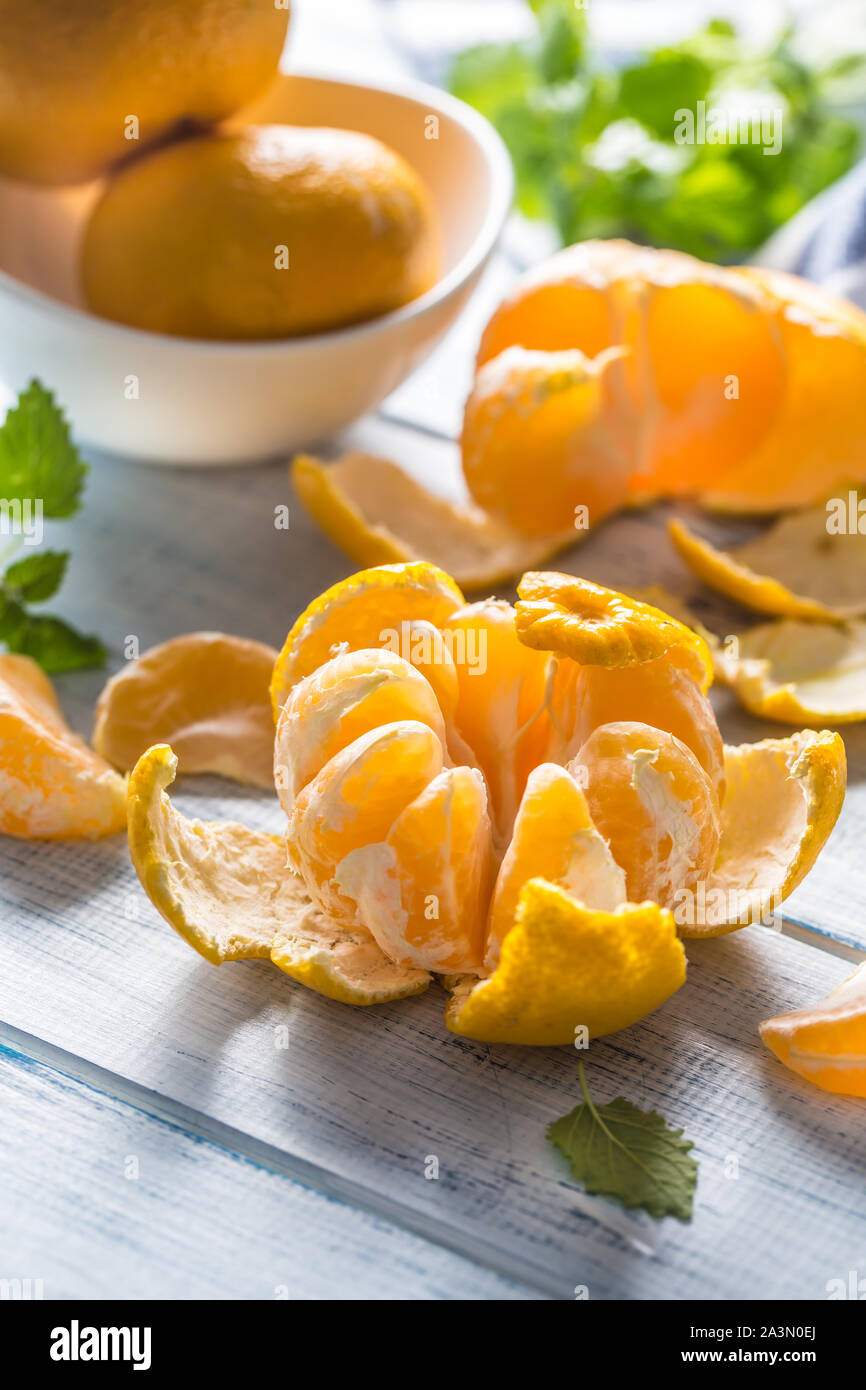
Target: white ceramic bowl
column 206, row 402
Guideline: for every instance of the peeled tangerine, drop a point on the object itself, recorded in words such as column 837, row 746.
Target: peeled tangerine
column 614, row 374
column 528, row 802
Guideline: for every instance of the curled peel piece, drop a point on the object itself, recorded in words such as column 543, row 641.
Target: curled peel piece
column 799, row 568
column 206, row 694
column 826, row 1043
column 229, row 893
column 378, row 514
column 595, row 626
column 564, row 966
column 783, row 797
column 798, row 672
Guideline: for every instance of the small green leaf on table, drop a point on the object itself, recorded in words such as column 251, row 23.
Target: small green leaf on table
column 630, row 1155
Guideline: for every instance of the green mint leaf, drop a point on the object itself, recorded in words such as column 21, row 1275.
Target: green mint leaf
column 38, row 461
column 38, row 576
column 628, row 1154
column 50, row 641
column 652, row 91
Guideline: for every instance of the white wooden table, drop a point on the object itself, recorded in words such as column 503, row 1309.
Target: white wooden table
column 157, row 1141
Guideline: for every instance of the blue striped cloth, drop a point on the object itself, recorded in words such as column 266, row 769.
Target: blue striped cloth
column 827, row 240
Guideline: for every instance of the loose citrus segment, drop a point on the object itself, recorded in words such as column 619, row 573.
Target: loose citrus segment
column 356, row 612
column 378, row 514
column 783, row 797
column 551, row 413
column 349, row 695
column 52, row 786
column 228, row 892
column 424, row 890
column 798, row 672
column 554, row 838
column 826, row 1043
column 565, row 967
column 204, row 693
column 598, row 627
column 655, row 806
column 799, row 568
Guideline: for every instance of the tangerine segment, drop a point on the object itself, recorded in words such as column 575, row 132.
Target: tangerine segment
column 423, row 891
column 52, row 786
column 560, row 304
column 204, row 693
column 228, row 892
column 356, row 612
column 378, row 514
column 548, row 413
column 799, row 672
column 698, row 411
column 350, row 695
column 782, row 800
column 806, row 457
column 826, row 1043
column 655, row 693
column 598, row 627
column 565, row 967
column 652, row 801
column 554, row 838
column 799, row 568
column 501, row 706
column 354, row 801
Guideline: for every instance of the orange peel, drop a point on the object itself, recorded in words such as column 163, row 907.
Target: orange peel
column 378, row 514
column 206, row 694
column 798, row 672
column 782, row 799
column 826, row 1042
column 465, row 818
column 798, row 568
column 52, row 786
column 229, row 893
column 566, row 967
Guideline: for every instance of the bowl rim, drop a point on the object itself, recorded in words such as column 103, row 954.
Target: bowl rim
column 474, row 257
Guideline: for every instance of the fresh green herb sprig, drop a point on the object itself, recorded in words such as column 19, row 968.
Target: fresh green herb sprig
column 595, row 149
column 41, row 478
column 628, row 1154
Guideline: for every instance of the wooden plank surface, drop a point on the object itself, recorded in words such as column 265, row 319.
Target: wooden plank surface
column 101, row 1200
column 361, row 1099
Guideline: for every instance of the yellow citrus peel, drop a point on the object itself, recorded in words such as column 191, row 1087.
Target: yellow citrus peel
column 229, row 893
column 798, row 672
column 798, row 568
